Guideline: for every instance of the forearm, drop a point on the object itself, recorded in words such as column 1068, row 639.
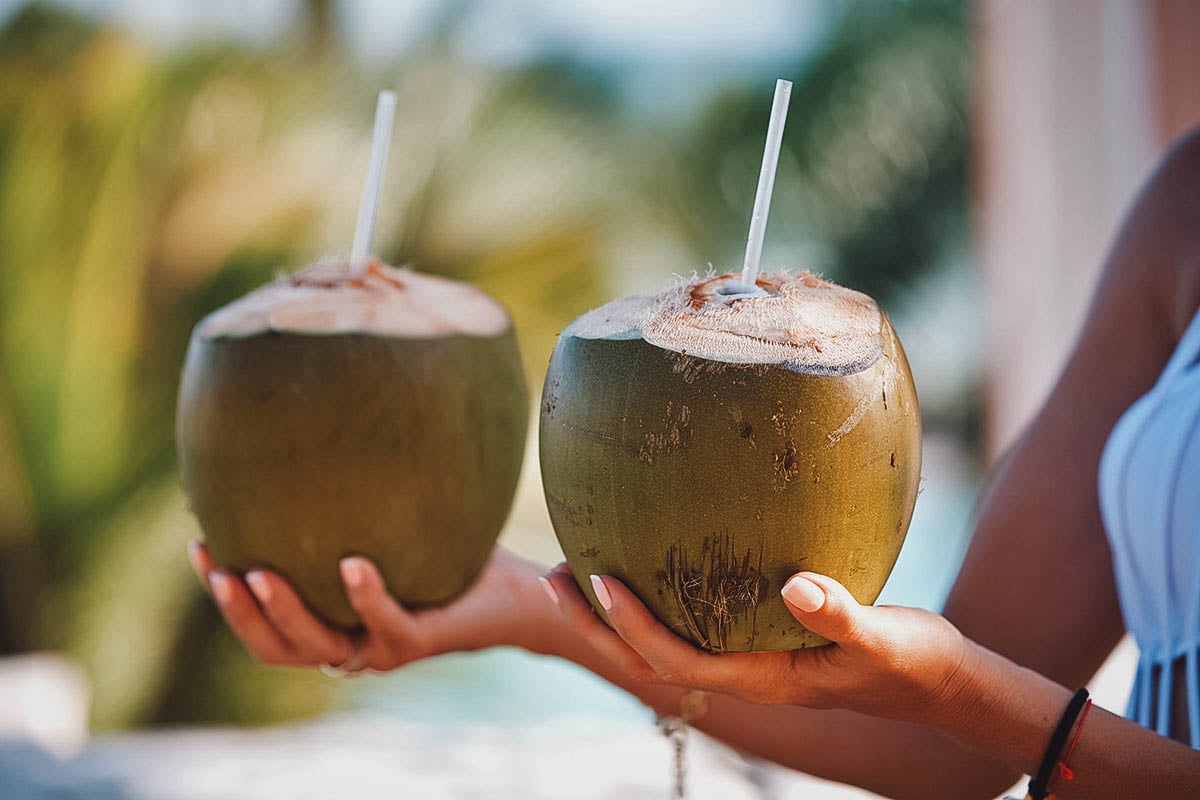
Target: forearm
column 895, row 759
column 1010, row 713
column 892, row 758
column 989, row 723
column 992, row 727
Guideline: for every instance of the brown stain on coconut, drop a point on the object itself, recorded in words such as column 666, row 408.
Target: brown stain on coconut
column 786, row 467
column 674, row 435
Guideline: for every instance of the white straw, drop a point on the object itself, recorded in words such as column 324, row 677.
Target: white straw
column 368, row 206
column 766, row 182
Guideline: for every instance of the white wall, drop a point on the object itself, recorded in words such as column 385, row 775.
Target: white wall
column 1066, row 123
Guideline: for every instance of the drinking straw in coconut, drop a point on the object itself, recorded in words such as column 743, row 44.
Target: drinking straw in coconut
column 766, row 183
column 368, row 206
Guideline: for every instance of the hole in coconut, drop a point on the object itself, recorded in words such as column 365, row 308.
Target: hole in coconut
column 736, row 288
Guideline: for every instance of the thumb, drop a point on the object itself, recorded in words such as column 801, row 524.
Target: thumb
column 827, row 608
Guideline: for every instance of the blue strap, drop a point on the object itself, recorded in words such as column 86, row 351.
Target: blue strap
column 1162, row 715
column 1145, row 684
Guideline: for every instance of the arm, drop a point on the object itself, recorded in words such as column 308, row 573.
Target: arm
column 1038, row 545
column 507, row 607
column 1036, row 597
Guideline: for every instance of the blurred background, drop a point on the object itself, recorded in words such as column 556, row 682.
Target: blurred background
column 965, row 164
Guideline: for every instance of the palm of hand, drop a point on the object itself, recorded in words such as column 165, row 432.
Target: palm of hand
column 887, row 661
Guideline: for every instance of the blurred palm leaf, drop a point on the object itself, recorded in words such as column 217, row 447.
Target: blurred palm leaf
column 137, row 195
column 871, row 187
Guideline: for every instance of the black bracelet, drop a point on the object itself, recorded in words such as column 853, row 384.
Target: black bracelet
column 1037, row 786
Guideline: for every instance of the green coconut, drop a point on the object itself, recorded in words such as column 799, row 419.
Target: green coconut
column 705, row 443
column 329, row 414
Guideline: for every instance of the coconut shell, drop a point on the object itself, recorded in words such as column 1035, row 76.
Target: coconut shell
column 299, row 449
column 703, row 485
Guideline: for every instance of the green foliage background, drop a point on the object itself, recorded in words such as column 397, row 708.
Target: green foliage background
column 140, row 189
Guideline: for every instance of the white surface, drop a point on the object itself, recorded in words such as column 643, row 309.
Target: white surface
column 1065, row 98
column 44, row 700
column 596, row 755
column 408, row 746
column 367, row 756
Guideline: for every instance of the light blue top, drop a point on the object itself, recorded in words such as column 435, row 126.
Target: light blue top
column 1150, row 501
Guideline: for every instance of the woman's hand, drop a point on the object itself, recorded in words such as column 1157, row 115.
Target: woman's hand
column 886, row 661
column 270, row 619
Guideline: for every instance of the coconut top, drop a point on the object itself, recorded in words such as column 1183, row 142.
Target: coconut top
column 382, row 301
column 798, row 321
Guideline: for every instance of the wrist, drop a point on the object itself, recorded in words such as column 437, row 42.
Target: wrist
column 505, row 608
column 958, row 692
column 1001, row 709
column 535, row 623
column 544, row 630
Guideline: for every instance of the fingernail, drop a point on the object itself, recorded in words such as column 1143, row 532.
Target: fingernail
column 221, row 588
column 549, row 587
column 804, row 594
column 353, row 572
column 259, row 585
column 601, row 592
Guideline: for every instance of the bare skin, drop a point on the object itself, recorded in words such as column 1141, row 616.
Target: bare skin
column 906, row 703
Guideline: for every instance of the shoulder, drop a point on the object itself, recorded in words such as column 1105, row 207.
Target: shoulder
column 1182, row 160
column 1148, row 292
column 1158, row 248
column 1182, row 188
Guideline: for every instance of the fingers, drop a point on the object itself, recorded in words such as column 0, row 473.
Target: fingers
column 276, row 627
column 389, row 626
column 671, row 658
column 574, row 606
column 281, row 632
column 240, row 611
column 827, row 608
column 245, row 619
column 200, row 561
column 310, row 640
column 675, row 661
column 637, row 642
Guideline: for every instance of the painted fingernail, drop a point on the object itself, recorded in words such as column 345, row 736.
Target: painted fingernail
column 221, row 588
column 259, row 585
column 549, row 587
column 354, row 572
column 804, row 594
column 601, row 592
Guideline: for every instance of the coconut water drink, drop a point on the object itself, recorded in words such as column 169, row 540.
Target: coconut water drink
column 354, row 409
column 704, row 443
column 337, row 413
